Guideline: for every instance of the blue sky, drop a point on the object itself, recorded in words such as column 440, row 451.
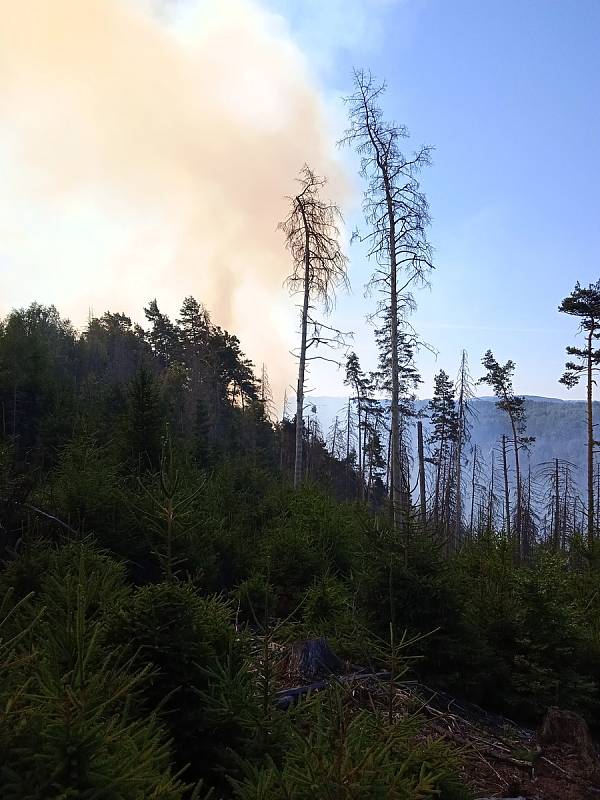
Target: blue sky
column 149, row 154
column 507, row 92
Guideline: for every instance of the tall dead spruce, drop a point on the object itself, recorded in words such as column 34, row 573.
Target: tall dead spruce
column 312, row 236
column 397, row 216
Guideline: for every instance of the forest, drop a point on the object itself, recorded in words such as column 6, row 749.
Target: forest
column 175, row 550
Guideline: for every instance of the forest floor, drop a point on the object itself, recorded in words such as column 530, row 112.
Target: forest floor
column 501, row 759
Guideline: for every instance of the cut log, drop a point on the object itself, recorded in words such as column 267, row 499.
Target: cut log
column 287, row 697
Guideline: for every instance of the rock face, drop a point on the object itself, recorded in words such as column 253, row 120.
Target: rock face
column 568, row 730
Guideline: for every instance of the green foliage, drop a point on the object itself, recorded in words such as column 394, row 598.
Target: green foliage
column 181, row 636
column 256, row 599
column 316, row 536
column 85, row 489
column 143, row 422
column 541, row 648
column 169, row 515
column 338, row 752
column 106, row 649
column 241, row 723
column 75, row 731
column 418, row 591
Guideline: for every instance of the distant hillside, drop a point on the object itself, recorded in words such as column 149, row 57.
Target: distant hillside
column 558, row 425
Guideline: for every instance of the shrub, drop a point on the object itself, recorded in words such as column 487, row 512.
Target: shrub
column 74, row 729
column 181, row 636
column 338, row 752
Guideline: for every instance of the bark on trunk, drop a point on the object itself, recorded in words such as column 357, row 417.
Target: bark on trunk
column 302, row 364
column 556, row 507
column 398, row 511
column 473, row 489
column 421, row 472
column 590, row 431
column 506, row 492
column 518, row 519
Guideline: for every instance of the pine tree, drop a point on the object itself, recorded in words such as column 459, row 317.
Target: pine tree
column 163, row 336
column 499, row 377
column 584, row 303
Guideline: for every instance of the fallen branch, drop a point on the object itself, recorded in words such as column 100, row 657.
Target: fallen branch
column 51, row 517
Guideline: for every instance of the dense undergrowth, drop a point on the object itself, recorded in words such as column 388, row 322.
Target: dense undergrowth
column 150, row 547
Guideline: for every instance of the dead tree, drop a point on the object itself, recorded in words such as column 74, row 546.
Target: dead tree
column 464, row 394
column 313, row 238
column 397, row 216
column 559, row 491
column 506, row 489
column 421, row 452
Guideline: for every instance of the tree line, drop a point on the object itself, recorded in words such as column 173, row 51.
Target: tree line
column 377, row 441
column 164, row 536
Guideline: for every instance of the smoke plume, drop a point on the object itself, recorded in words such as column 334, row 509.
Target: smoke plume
column 148, row 153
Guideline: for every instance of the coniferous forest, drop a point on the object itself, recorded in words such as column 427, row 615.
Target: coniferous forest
column 200, row 598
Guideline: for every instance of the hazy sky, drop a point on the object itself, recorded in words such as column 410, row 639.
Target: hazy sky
column 508, row 93
column 116, row 184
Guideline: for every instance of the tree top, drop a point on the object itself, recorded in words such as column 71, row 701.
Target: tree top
column 583, row 301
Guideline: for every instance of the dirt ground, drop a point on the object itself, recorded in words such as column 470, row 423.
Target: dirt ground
column 501, row 759
column 505, row 760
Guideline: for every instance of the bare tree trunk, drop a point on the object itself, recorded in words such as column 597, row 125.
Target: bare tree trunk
column 348, row 447
column 302, row 364
column 491, row 499
column 421, row 472
column 398, row 510
column 564, row 520
column 597, row 517
column 506, row 492
column 334, row 440
column 518, row 518
column 458, row 508
column 388, row 472
column 447, row 505
column 14, row 411
column 459, row 446
column 590, row 432
column 364, row 454
column 528, row 528
column 473, row 489
column 436, row 502
column 556, row 507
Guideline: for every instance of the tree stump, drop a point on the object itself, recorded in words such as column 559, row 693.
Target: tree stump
column 313, row 659
column 566, row 729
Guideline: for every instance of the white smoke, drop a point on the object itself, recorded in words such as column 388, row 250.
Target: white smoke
column 148, row 154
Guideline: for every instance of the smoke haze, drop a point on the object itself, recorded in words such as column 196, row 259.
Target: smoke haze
column 148, row 153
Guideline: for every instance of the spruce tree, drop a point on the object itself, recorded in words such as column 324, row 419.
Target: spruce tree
column 442, row 440
column 143, row 424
